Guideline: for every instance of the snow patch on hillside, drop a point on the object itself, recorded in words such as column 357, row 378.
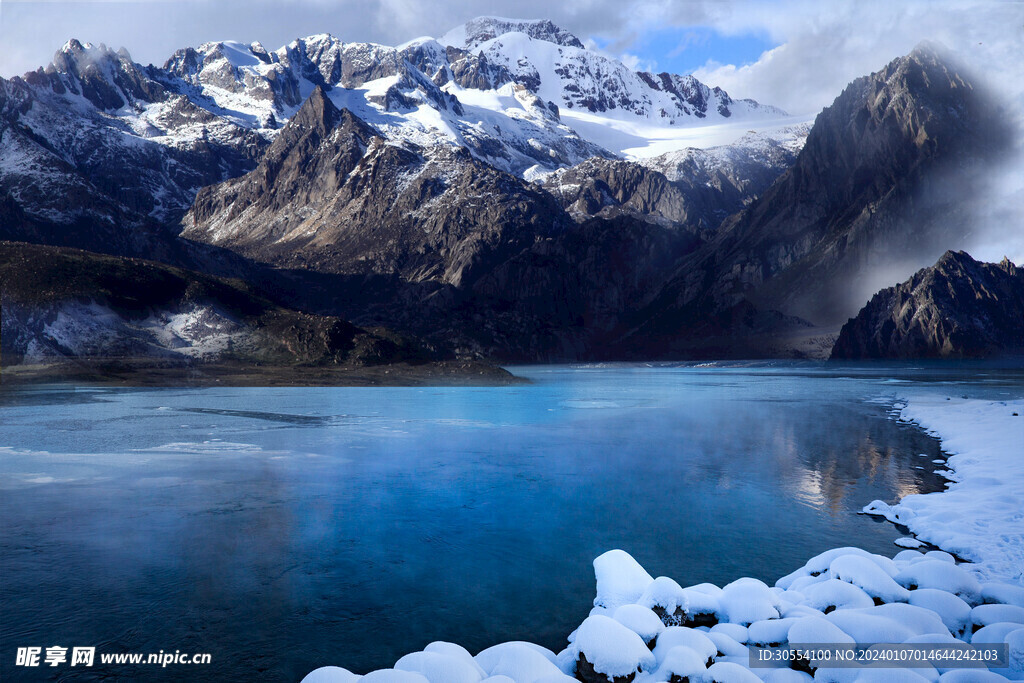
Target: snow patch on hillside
column 92, row 330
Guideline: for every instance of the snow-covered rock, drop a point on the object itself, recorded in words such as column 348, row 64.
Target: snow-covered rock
column 620, row 579
column 983, row 615
column 606, row 647
column 440, row 668
column 834, row 594
column 682, row 662
column 770, row 632
column 748, row 600
column 330, row 674
column 519, row 661
column 641, row 620
column 934, row 573
column 868, row 576
column 954, row 612
column 812, row 630
column 681, row 636
column 393, row 676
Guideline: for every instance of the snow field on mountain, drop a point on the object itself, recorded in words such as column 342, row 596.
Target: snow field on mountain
column 634, row 139
column 844, row 595
column 92, row 329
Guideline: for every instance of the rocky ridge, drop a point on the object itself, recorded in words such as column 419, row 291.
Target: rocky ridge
column 96, row 140
column 958, row 308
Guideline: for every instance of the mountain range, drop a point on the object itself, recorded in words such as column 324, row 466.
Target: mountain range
column 502, row 191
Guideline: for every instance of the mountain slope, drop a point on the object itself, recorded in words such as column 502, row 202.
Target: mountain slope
column 878, row 185
column 958, row 308
column 72, row 314
column 93, row 152
column 694, row 188
column 332, row 195
column 76, row 306
column 869, row 189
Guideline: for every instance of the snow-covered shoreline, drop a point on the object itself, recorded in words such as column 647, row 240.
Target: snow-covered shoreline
column 652, row 630
column 980, row 516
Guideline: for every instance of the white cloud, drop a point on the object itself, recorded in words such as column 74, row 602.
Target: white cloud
column 637, row 63
column 825, row 46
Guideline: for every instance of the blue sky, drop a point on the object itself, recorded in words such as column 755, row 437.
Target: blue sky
column 684, row 49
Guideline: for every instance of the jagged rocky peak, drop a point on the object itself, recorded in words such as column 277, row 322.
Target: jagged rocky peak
column 925, row 89
column 477, row 31
column 348, row 201
column 317, row 113
column 309, row 160
column 958, row 308
column 558, row 67
column 692, row 95
column 870, row 190
column 107, row 78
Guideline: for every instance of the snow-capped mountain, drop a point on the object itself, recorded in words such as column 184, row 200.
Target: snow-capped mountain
column 556, row 66
column 96, row 139
column 93, row 143
column 501, row 189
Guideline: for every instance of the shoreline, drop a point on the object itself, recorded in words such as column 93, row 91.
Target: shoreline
column 145, row 373
column 984, row 441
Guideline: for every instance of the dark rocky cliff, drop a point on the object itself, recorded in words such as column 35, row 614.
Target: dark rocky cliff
column 958, row 308
column 880, row 184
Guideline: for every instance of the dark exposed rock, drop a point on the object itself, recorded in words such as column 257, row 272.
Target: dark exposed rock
column 681, row 617
column 705, row 186
column 564, row 297
column 475, row 71
column 600, row 187
column 310, row 158
column 108, row 79
column 120, row 300
column 869, row 189
column 340, row 199
column 958, row 308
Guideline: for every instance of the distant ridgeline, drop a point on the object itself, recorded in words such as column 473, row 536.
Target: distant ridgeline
column 475, row 192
